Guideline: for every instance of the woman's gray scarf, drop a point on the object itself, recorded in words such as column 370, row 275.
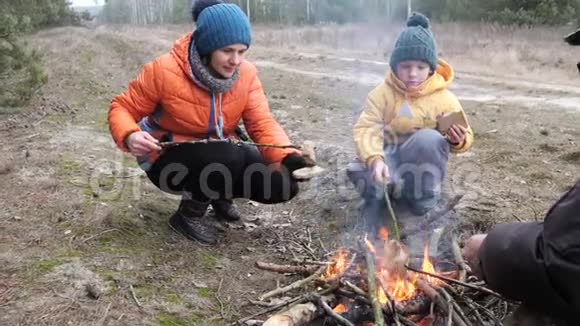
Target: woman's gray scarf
column 201, row 74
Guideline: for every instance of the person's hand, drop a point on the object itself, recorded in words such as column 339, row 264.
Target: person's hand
column 471, row 253
column 456, row 134
column 379, row 171
column 294, row 162
column 141, row 143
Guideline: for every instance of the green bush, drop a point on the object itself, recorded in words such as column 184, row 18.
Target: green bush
column 21, row 72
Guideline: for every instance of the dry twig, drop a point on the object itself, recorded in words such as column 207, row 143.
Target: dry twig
column 294, row 285
column 132, row 290
column 450, row 280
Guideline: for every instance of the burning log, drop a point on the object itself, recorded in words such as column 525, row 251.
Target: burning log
column 304, row 270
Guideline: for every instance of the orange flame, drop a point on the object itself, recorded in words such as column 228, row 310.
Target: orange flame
column 399, row 286
column 384, row 233
column 428, row 266
column 338, row 267
column 340, row 308
column 403, row 289
column 370, row 245
column 382, row 296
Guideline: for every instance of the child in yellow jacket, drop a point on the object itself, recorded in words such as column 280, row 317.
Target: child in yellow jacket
column 396, row 135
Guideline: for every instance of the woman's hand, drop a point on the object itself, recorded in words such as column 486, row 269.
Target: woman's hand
column 141, row 143
column 456, row 134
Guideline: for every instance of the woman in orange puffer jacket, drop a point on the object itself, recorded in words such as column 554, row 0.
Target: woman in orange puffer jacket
column 200, row 90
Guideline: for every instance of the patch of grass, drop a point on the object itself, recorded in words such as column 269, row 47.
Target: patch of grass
column 68, row 167
column 205, row 292
column 10, row 110
column 208, row 260
column 88, row 55
column 145, row 291
column 47, row 265
column 70, row 253
column 165, row 319
column 173, row 298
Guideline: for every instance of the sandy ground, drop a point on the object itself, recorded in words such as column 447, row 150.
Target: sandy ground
column 78, row 217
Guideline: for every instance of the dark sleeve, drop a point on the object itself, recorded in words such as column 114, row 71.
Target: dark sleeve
column 538, row 263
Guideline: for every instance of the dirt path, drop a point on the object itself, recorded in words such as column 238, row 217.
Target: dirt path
column 77, row 214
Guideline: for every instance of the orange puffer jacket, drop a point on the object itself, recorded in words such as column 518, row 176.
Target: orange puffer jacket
column 166, row 92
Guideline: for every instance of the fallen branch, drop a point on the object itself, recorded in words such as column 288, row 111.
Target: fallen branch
column 456, row 282
column 305, row 270
column 294, row 285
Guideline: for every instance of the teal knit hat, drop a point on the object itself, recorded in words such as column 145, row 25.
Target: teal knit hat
column 219, row 25
column 416, row 42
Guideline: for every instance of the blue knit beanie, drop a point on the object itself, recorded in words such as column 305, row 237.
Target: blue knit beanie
column 416, row 42
column 219, row 25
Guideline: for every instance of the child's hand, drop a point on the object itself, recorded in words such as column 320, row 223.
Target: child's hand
column 380, row 172
column 456, row 134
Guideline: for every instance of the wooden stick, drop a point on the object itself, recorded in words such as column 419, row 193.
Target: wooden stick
column 464, row 268
column 372, row 293
column 306, row 270
column 454, row 306
column 436, row 298
column 450, row 280
column 339, row 319
column 393, row 216
column 364, row 296
column 294, row 285
column 355, row 288
column 393, row 306
column 132, row 290
column 228, row 140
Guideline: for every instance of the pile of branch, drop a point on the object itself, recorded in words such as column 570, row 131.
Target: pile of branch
column 449, row 301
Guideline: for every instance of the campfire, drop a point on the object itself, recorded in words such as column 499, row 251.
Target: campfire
column 373, row 285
